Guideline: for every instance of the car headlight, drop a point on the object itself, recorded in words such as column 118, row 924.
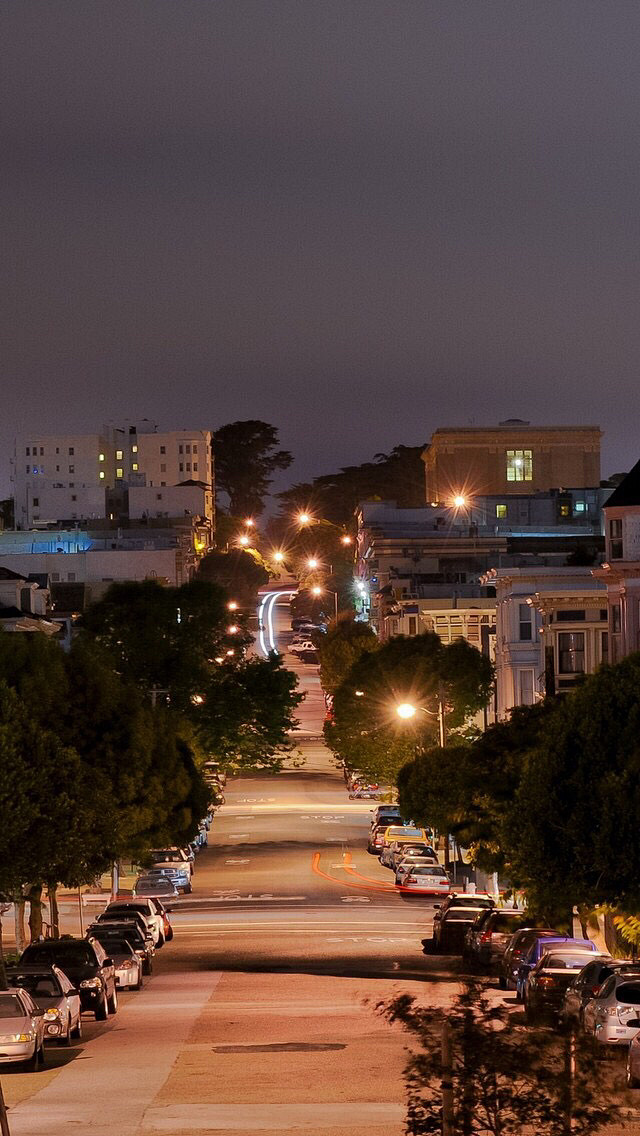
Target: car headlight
column 23, row 1036
column 90, row 983
column 126, row 964
column 52, row 1014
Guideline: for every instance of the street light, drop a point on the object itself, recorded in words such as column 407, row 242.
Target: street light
column 304, row 518
column 346, row 540
column 233, row 629
column 407, row 710
column 243, row 540
column 249, row 522
column 317, row 591
column 313, row 563
column 459, row 501
column 232, row 605
column 278, row 557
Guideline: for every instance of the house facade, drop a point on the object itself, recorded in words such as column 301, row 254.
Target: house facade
column 620, row 573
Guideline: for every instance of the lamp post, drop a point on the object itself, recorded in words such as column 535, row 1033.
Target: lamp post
column 407, row 710
column 317, row 591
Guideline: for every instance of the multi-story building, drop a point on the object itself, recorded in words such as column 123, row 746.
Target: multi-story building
column 510, row 459
column 24, row 604
column 121, row 473
column 620, row 573
column 551, row 628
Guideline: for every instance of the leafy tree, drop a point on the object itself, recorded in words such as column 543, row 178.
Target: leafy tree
column 246, row 457
column 239, row 573
column 340, row 648
column 366, row 730
column 246, row 714
column 396, row 476
column 165, row 639
column 572, row 830
column 505, row 1080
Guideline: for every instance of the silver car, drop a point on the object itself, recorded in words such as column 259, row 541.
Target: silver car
column 613, row 1017
column 155, row 887
column 179, row 875
column 56, row 996
column 21, row 1029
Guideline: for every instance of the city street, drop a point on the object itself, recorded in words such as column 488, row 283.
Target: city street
column 260, row 1015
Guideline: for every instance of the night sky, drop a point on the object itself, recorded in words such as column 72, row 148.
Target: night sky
column 358, row 220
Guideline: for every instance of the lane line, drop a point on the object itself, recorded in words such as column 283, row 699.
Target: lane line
column 315, row 867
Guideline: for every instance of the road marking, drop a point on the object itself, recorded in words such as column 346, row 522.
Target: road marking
column 366, row 939
column 315, row 867
column 237, row 861
column 238, row 835
column 355, row 899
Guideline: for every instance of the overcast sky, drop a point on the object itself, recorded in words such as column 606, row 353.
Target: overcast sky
column 359, row 220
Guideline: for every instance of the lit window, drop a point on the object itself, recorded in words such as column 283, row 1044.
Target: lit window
column 101, row 457
column 118, row 455
column 134, row 466
column 102, row 475
column 501, row 511
column 519, row 465
column 72, row 469
column 564, row 510
column 580, row 506
column 134, row 449
column 119, row 472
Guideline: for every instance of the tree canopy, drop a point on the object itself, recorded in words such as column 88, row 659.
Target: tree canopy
column 367, row 731
column 246, row 457
column 340, row 648
column 240, row 574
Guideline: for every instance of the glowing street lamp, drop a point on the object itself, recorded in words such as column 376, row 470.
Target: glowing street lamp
column 317, row 591
column 249, row 522
column 232, row 605
column 243, row 540
column 346, row 540
column 233, row 629
column 230, row 652
column 278, row 557
column 313, row 563
column 459, row 501
column 304, row 518
column 406, row 710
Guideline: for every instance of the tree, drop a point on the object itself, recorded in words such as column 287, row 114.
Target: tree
column 239, row 573
column 246, row 457
column 367, row 731
column 246, row 714
column 340, row 648
column 505, row 1080
column 572, row 829
column 396, row 476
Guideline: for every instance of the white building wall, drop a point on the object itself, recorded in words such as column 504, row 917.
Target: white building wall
column 99, row 566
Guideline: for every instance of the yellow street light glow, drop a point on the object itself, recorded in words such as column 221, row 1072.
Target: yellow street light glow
column 197, row 699
column 278, row 557
column 304, row 518
column 219, row 659
column 359, row 693
column 317, row 591
column 233, row 629
column 244, row 539
column 345, row 540
column 312, row 563
column 459, row 501
column 406, row 710
column 232, row 605
column 249, row 522
column 231, row 652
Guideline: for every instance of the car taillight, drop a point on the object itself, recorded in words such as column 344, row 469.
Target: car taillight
column 595, row 990
column 412, row 879
column 546, row 980
column 485, row 937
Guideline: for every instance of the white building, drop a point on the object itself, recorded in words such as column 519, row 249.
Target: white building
column 550, row 630
column 67, row 477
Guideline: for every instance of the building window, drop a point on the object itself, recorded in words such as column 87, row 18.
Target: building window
column 71, row 451
column 158, row 496
column 519, row 465
column 28, row 452
column 195, row 447
column 74, row 497
column 101, row 457
column 525, row 691
column 616, row 622
column 524, row 616
column 72, row 485
column 119, row 472
column 57, row 469
column 72, row 469
column 118, row 455
column 28, row 469
column 41, row 451
column 188, row 467
column 615, row 539
column 71, row 577
column 163, row 484
column 501, row 511
column 195, row 467
column 564, row 510
column 571, row 615
column 188, row 448
column 134, row 449
column 163, row 449
column 413, row 625
column 36, row 502
column 604, row 647
column 55, row 576
column 180, row 449
column 57, row 449
column 181, row 467
column 134, row 467
column 580, row 507
column 571, row 652
column 102, row 475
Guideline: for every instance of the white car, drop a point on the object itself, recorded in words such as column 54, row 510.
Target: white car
column 21, row 1029
column 428, row 879
column 613, row 1016
column 300, row 648
column 413, row 857
column 146, row 909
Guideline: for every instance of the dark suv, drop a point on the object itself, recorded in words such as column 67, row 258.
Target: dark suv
column 85, row 964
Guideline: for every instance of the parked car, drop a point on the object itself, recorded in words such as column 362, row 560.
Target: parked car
column 129, row 965
column 540, row 946
column 143, row 907
column 449, row 932
column 426, row 877
column 418, row 856
column 155, row 887
column 142, row 944
column 402, row 848
column 487, row 938
column 460, row 899
column 164, row 915
column 633, row 1063
column 162, row 856
column 398, row 833
column 546, row 985
column 56, row 996
column 21, row 1029
column 376, row 838
column 587, row 985
column 134, row 917
column 299, row 648
column 308, row 656
column 86, row 964
column 515, row 951
column 364, row 793
column 612, row 1018
column 392, row 812
column 179, row 875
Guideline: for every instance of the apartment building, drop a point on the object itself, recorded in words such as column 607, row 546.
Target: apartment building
column 510, row 459
column 120, row 473
column 620, row 573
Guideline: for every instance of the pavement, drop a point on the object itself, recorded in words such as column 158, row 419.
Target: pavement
column 260, row 1016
